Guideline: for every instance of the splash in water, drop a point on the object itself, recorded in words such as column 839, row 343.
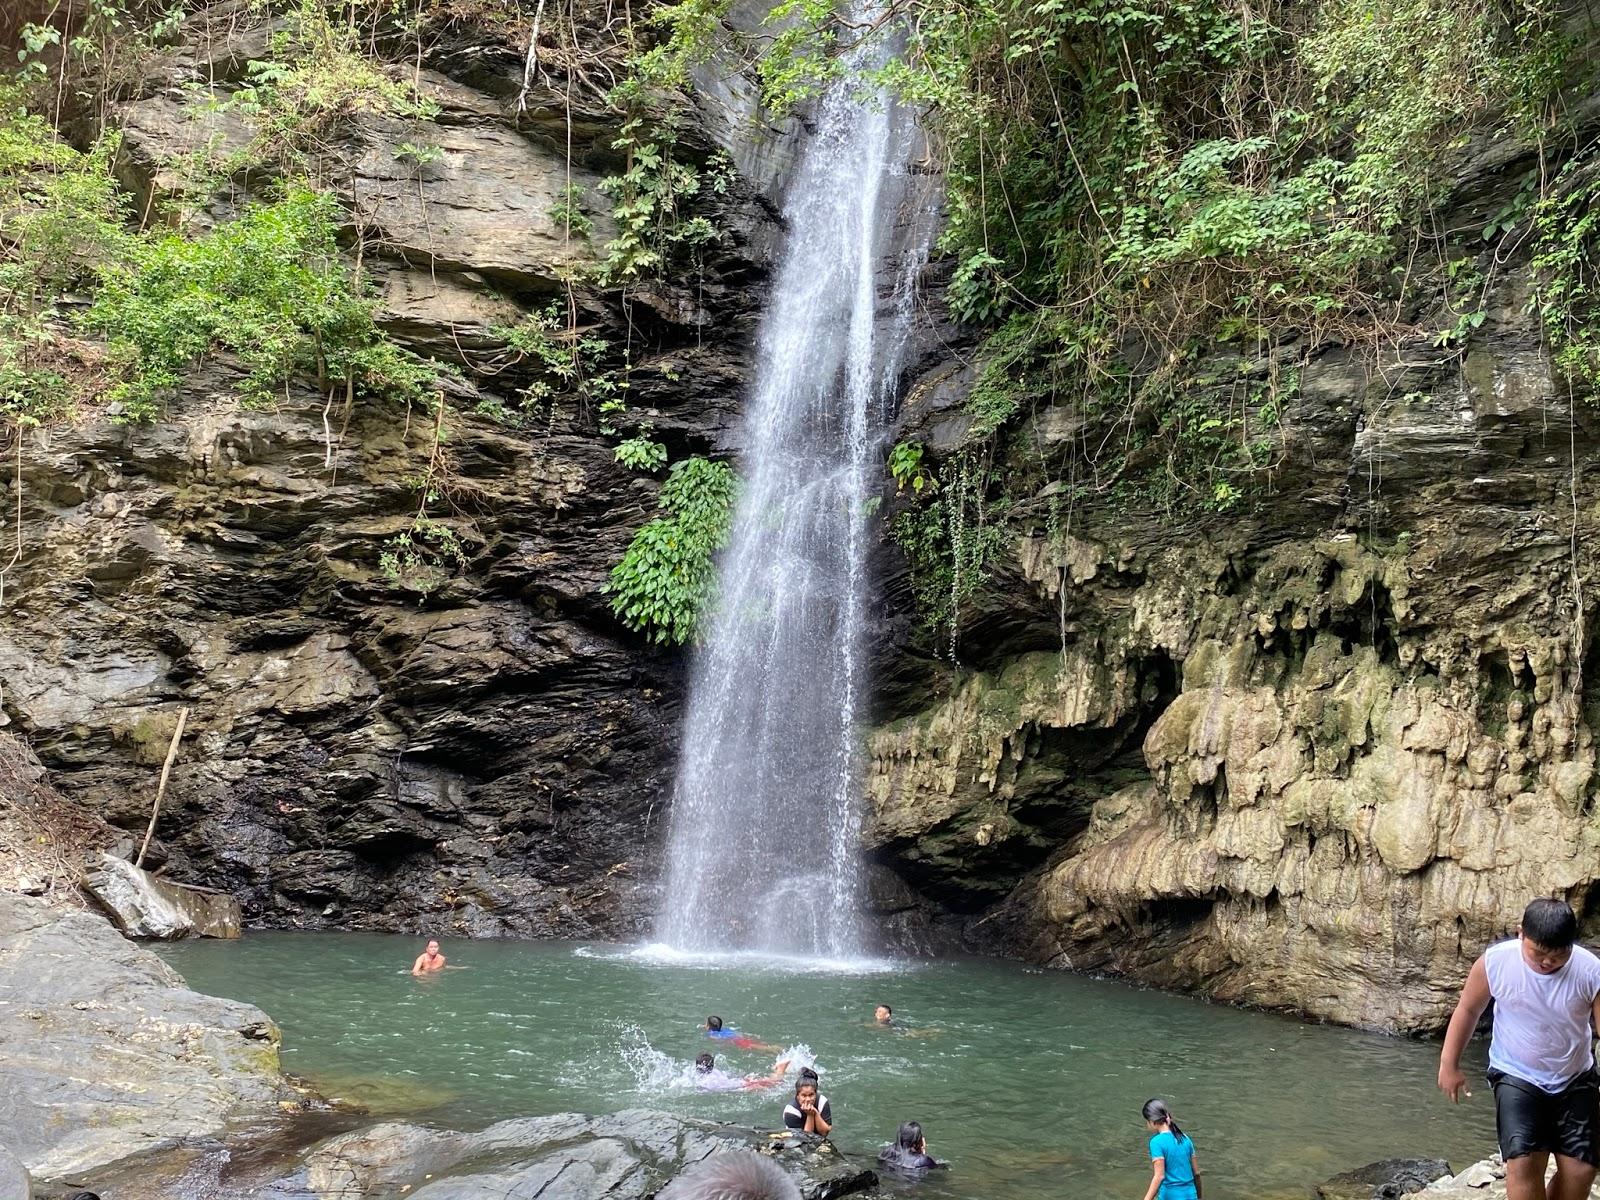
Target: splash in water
column 763, row 853
column 654, row 1071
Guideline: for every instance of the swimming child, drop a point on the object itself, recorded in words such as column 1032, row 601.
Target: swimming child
column 709, row 1078
column 809, row 1111
column 883, row 1015
column 1174, row 1175
column 909, row 1154
column 715, row 1029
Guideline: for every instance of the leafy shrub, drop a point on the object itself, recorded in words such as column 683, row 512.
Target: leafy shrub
column 268, row 288
column 422, row 558
column 666, row 582
column 641, row 453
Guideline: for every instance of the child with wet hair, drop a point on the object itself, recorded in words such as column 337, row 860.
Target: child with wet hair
column 733, row 1175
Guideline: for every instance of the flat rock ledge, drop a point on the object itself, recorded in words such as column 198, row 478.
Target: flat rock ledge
column 623, row 1156
column 107, row 1054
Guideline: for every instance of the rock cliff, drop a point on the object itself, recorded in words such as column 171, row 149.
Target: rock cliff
column 484, row 756
column 1311, row 754
column 1314, row 754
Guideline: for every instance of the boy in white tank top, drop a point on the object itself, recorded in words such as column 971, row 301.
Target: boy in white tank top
column 1546, row 993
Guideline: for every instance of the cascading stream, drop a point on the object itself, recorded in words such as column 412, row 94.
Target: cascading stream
column 763, row 851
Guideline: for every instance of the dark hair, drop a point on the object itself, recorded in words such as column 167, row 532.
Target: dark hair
column 807, row 1073
column 910, row 1136
column 807, row 1082
column 1157, row 1111
column 714, row 1024
column 1550, row 923
column 887, row 1009
column 84, row 1196
column 733, row 1173
column 704, row 1062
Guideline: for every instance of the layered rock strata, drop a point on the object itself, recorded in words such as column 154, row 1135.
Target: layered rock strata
column 482, row 757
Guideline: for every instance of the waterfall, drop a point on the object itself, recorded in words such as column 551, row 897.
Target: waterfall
column 764, row 844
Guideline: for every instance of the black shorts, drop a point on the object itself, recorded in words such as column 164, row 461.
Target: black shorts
column 1529, row 1119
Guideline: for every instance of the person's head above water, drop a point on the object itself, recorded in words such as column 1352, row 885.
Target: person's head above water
column 714, row 1024
column 734, row 1175
column 433, row 946
column 806, row 1089
column 883, row 1015
column 910, row 1137
column 704, row 1063
column 1548, row 930
column 1158, row 1116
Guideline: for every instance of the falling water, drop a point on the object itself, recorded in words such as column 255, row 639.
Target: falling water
column 763, row 853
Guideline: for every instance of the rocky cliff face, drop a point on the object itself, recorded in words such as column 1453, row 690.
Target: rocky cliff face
column 484, row 757
column 1314, row 755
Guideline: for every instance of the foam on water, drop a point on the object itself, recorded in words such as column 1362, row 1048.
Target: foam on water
column 654, row 1071
column 661, row 954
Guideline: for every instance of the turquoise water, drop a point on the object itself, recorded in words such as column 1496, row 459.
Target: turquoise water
column 1029, row 1082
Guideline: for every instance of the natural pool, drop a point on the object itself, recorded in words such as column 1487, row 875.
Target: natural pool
column 1028, row 1082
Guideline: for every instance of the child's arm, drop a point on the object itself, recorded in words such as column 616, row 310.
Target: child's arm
column 1194, row 1166
column 1158, row 1172
column 1474, row 999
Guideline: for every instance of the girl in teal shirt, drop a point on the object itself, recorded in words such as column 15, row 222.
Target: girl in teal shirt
column 1174, row 1173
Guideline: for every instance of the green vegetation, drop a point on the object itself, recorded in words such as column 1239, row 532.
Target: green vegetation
column 906, row 469
column 563, row 359
column 665, row 585
column 422, row 558
column 654, row 198
column 1567, row 226
column 950, row 541
column 316, row 77
column 641, row 453
column 61, row 217
column 268, row 288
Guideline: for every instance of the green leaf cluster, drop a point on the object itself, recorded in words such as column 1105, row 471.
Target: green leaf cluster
column 268, row 288
column 665, row 585
column 61, row 217
column 655, row 201
column 1567, row 262
column 422, row 558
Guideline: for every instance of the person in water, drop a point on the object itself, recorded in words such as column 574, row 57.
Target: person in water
column 809, row 1111
column 429, row 960
column 1174, row 1173
column 1546, row 993
column 909, row 1152
column 883, row 1015
column 716, row 1029
column 710, row 1078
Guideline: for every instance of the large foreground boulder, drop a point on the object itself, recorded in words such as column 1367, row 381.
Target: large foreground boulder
column 14, row 1181
column 143, row 906
column 107, row 1053
column 565, row 1157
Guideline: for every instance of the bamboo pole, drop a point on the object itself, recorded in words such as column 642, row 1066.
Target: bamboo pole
column 161, row 788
